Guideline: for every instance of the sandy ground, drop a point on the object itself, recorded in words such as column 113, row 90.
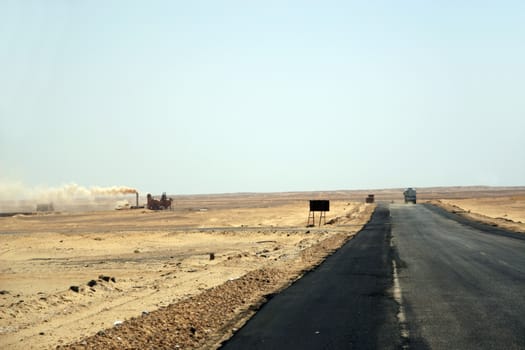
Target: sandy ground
column 149, row 270
column 153, row 270
column 507, row 211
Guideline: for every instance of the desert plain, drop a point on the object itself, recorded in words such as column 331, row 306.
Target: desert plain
column 187, row 277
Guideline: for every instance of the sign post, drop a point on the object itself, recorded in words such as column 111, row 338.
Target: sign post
column 321, row 206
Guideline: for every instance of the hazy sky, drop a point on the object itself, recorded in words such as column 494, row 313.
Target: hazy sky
column 234, row 96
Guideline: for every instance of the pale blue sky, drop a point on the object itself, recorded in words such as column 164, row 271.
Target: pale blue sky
column 234, row 96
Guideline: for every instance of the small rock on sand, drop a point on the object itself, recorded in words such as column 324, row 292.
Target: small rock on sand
column 92, row 283
column 104, row 278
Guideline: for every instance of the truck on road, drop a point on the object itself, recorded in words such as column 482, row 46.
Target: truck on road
column 410, row 195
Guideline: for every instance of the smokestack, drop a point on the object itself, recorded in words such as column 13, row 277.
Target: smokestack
column 137, row 198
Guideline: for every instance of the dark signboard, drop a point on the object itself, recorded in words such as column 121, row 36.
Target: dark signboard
column 319, row 205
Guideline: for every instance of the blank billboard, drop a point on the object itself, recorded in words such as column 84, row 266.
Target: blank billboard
column 319, row 205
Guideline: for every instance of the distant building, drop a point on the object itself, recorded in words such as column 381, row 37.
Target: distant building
column 46, row 207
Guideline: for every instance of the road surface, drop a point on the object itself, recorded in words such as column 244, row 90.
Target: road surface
column 462, row 287
column 412, row 279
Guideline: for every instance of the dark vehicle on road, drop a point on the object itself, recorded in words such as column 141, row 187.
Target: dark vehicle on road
column 410, row 195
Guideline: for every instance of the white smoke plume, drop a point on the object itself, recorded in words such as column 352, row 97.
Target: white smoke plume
column 66, row 194
column 73, row 191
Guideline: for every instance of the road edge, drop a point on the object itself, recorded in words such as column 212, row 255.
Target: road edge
column 481, row 226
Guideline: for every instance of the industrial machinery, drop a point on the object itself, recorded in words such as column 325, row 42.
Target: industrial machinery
column 410, row 195
column 159, row 204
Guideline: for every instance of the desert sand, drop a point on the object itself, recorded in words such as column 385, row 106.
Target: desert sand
column 88, row 277
column 152, row 268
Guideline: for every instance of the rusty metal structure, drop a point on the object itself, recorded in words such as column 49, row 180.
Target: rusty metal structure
column 164, row 203
column 370, row 199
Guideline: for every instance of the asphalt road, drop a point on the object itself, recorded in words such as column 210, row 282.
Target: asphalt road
column 462, row 284
column 343, row 304
column 414, row 278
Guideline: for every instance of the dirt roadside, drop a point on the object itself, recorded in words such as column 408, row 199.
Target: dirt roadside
column 155, row 283
column 207, row 319
column 505, row 212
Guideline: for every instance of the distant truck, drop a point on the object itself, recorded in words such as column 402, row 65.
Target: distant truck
column 410, row 195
